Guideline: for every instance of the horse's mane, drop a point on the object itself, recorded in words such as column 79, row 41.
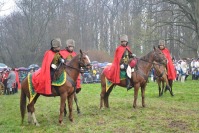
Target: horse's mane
column 146, row 57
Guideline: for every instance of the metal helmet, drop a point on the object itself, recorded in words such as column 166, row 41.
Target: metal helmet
column 123, row 38
column 70, row 43
column 56, row 43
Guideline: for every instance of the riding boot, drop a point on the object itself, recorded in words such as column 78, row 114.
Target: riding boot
column 128, row 83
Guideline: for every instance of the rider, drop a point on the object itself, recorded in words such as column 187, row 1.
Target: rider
column 50, row 63
column 120, row 62
column 171, row 73
column 68, row 53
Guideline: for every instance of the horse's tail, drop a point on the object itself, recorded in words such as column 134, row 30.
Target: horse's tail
column 22, row 104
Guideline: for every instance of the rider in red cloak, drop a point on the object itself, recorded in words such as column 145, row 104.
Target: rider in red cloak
column 112, row 72
column 68, row 54
column 171, row 73
column 42, row 78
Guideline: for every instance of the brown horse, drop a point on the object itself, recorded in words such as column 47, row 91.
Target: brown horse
column 161, row 79
column 139, row 77
column 66, row 91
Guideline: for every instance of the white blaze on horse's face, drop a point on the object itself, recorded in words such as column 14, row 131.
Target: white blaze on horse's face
column 88, row 59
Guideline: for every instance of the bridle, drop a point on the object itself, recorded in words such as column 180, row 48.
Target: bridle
column 81, row 64
column 153, row 62
column 161, row 73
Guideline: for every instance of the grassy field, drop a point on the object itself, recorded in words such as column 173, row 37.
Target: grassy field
column 161, row 114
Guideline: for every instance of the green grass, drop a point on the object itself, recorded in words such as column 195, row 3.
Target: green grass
column 161, row 114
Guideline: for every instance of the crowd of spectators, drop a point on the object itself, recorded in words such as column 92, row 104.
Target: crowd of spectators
column 10, row 80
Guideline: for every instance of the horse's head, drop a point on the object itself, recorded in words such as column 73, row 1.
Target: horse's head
column 159, row 56
column 84, row 60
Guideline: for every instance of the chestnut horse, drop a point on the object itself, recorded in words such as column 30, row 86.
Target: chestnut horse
column 65, row 91
column 139, row 77
column 161, row 79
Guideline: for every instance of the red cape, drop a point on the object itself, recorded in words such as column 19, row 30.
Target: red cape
column 112, row 72
column 41, row 78
column 17, row 80
column 64, row 53
column 170, row 68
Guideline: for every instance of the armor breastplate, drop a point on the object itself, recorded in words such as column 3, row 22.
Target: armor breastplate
column 125, row 57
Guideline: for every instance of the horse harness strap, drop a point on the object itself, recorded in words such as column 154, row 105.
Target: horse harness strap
column 141, row 73
column 73, row 84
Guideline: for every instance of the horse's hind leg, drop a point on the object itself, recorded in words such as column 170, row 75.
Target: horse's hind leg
column 31, row 111
column 65, row 111
column 136, row 88
column 103, row 92
column 171, row 84
column 106, row 97
column 159, row 87
column 76, row 102
column 143, row 95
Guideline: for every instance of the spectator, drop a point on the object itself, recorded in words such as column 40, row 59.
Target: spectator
column 11, row 82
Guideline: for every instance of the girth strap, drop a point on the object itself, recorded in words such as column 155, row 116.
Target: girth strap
column 72, row 82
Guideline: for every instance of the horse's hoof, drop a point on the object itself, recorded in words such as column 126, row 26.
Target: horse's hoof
column 71, row 120
column 61, row 124
column 37, row 124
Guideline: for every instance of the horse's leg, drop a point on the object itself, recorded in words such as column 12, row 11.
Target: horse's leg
column 103, row 91
column 76, row 102
column 159, row 86
column 62, row 105
column 171, row 85
column 106, row 97
column 143, row 95
column 31, row 111
column 136, row 88
column 70, row 107
column 162, row 90
column 65, row 111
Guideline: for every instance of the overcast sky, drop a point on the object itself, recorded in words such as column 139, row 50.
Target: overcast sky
column 7, row 8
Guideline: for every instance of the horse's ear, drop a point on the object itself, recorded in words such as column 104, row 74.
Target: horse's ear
column 154, row 48
column 81, row 52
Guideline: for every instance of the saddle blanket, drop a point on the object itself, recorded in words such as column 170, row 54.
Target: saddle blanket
column 59, row 82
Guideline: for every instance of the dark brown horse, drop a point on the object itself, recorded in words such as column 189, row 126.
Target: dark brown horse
column 139, row 78
column 161, row 79
column 66, row 91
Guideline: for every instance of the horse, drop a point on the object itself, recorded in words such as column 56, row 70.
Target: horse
column 139, row 77
column 161, row 79
column 65, row 91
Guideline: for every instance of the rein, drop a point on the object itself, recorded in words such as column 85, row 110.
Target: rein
column 161, row 73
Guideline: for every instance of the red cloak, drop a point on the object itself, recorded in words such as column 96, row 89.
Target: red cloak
column 41, row 78
column 112, row 72
column 65, row 54
column 170, row 68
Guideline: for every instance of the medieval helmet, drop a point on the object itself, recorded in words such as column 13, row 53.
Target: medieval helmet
column 56, row 43
column 123, row 38
column 70, row 43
